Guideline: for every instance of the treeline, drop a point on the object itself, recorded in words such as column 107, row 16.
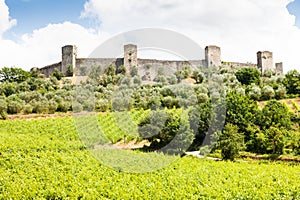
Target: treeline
column 272, row 129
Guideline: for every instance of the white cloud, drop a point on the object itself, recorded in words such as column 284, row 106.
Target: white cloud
column 5, row 21
column 43, row 46
column 241, row 28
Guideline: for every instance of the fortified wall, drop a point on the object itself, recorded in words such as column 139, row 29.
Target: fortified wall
column 150, row 67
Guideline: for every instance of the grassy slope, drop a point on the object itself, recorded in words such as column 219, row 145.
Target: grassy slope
column 45, row 158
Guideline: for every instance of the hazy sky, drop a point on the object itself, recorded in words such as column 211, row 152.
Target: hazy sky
column 33, row 31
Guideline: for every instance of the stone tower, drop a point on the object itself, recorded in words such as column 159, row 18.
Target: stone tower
column 212, row 56
column 130, row 56
column 264, row 61
column 279, row 67
column 69, row 55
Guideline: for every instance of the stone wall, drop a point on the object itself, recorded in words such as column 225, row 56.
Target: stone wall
column 265, row 61
column 48, row 70
column 279, row 67
column 130, row 56
column 152, row 66
column 69, row 54
column 212, row 56
column 96, row 62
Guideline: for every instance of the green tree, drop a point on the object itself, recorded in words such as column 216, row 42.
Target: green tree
column 241, row 111
column 292, row 82
column 14, row 104
column 231, row 142
column 198, row 77
column 122, row 70
column 3, row 108
column 268, row 93
column 166, row 131
column 58, row 74
column 247, row 76
column 13, row 75
column 275, row 140
column 200, row 118
column 275, row 114
column 70, row 70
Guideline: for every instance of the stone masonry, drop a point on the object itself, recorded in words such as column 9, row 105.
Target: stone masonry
column 151, row 66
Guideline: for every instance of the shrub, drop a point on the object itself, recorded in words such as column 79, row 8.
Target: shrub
column 267, row 93
column 202, row 98
column 63, row 106
column 254, row 93
column 102, row 105
column 15, row 104
column 77, row 107
column 248, row 76
column 27, row 109
column 41, row 107
column 231, row 142
column 52, row 107
column 280, row 92
column 166, row 131
column 3, row 108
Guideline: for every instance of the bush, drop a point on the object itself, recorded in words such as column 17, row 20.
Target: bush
column 248, row 76
column 255, row 92
column 280, row 92
column 102, row 105
column 41, row 107
column 77, row 107
column 52, row 107
column 63, row 106
column 167, row 132
column 202, row 98
column 3, row 108
column 27, row 109
column 58, row 74
column 267, row 93
column 231, row 142
column 15, row 104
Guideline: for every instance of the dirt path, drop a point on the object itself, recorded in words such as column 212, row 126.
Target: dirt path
column 197, row 154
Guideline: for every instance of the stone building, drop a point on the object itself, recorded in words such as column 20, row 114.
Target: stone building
column 149, row 67
column 212, row 56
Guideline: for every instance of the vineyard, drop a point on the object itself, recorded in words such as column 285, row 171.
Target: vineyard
column 44, row 158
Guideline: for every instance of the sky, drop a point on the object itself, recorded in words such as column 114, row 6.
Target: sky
column 32, row 32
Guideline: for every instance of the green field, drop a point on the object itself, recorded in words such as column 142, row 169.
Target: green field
column 45, row 159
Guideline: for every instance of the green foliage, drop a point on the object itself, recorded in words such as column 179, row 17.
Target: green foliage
column 267, row 93
column 275, row 114
column 3, row 108
column 8, row 88
column 198, row 76
column 13, row 75
column 247, row 76
column 134, row 71
column 58, row 74
column 200, row 120
column 292, row 82
column 45, row 159
column 231, row 142
column 110, row 70
column 70, row 70
column 168, row 130
column 241, row 111
column 14, row 104
column 184, row 73
column 122, row 70
column 280, row 92
column 254, row 92
column 275, row 140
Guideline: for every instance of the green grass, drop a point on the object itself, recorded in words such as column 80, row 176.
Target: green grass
column 44, row 159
